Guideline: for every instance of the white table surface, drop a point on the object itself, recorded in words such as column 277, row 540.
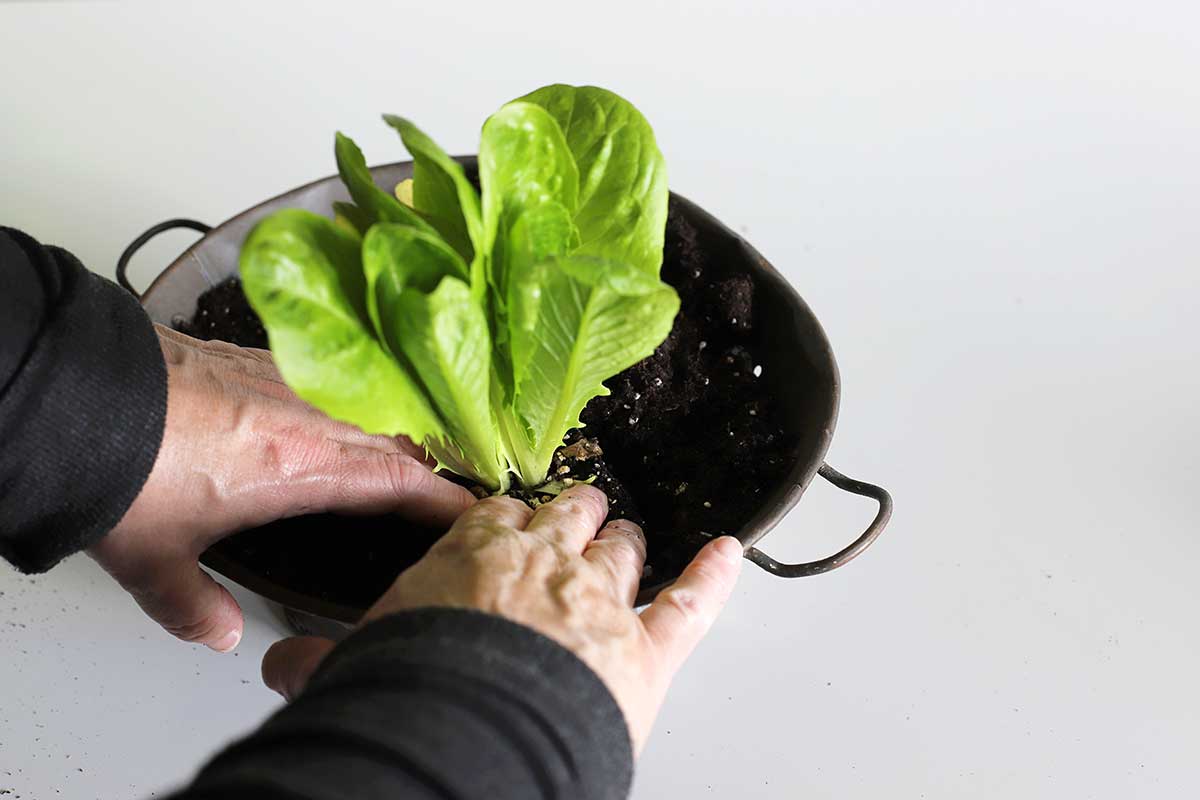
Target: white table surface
column 993, row 208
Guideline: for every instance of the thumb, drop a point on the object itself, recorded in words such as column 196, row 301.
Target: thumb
column 189, row 604
column 680, row 616
column 289, row 663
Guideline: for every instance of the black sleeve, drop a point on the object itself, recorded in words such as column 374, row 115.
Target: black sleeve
column 436, row 703
column 83, row 400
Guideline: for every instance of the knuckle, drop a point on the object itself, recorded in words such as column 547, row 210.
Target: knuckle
column 544, row 559
column 578, row 509
column 685, row 603
column 272, row 456
column 570, row 586
column 632, row 540
column 618, row 554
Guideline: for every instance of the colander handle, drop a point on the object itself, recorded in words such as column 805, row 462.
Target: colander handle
column 846, row 554
column 136, row 244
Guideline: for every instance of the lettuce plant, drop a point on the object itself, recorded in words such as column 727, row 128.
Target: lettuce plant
column 477, row 323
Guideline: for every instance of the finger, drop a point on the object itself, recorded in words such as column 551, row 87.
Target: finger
column 382, row 483
column 680, row 616
column 349, row 434
column 572, row 518
column 620, row 550
column 490, row 511
column 387, row 444
column 289, row 663
column 189, row 604
column 335, row 431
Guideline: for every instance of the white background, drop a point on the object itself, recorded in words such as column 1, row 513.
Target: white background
column 992, row 207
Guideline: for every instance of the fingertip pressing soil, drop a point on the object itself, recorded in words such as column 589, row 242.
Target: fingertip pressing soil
column 581, row 460
column 686, row 444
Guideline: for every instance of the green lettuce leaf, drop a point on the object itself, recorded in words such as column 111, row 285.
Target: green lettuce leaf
column 423, row 309
column 622, row 203
column 567, row 177
column 441, row 191
column 478, row 323
column 302, row 274
column 375, row 204
column 525, row 164
column 351, row 217
column 595, row 319
column 530, row 189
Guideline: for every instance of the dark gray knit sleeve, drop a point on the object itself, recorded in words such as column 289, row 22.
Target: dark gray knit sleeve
column 83, row 401
column 436, row 703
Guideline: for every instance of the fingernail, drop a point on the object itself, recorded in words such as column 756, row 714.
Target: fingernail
column 729, row 549
column 227, row 642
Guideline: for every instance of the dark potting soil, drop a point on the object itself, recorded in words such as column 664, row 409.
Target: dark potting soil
column 687, row 443
column 691, row 431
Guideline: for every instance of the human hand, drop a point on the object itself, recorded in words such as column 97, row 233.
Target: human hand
column 239, row 450
column 551, row 571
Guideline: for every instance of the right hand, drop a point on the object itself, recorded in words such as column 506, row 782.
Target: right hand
column 552, row 571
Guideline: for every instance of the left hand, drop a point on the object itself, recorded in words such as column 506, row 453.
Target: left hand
column 239, row 450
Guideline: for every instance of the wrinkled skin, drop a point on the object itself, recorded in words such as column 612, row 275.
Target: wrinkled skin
column 239, row 450
column 559, row 572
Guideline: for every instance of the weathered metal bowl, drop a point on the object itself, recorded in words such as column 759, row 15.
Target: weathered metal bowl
column 800, row 371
